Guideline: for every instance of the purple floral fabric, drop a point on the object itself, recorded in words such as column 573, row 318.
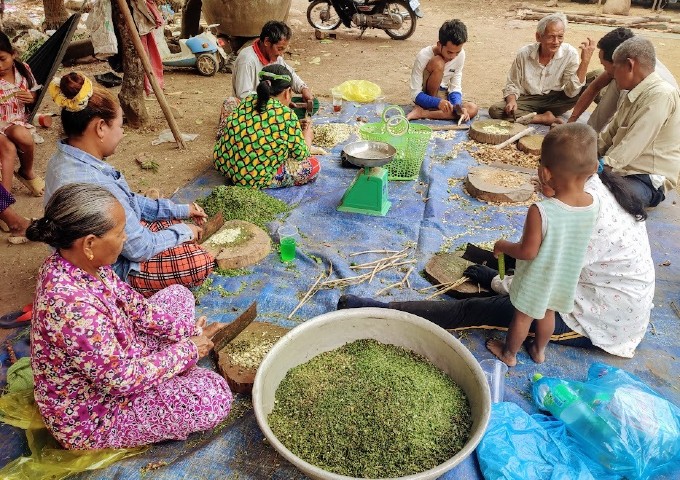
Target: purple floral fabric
column 113, row 369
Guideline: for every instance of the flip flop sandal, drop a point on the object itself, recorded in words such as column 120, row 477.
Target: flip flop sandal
column 17, row 319
column 35, row 185
column 3, row 226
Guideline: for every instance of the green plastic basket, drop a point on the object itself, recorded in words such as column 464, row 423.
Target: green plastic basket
column 410, row 146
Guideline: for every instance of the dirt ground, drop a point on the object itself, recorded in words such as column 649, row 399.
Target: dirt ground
column 494, row 35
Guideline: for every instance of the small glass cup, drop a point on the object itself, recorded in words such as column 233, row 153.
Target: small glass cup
column 379, row 106
column 287, row 242
column 337, row 100
column 494, row 371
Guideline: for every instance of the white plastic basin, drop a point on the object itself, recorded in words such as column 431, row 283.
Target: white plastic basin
column 332, row 330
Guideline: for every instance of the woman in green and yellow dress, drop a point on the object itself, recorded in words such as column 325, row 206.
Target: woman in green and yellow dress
column 263, row 144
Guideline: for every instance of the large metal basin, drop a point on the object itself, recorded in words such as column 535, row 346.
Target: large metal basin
column 244, row 18
column 332, row 330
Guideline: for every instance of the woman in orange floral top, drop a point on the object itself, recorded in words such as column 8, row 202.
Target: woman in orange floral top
column 263, row 144
column 113, row 369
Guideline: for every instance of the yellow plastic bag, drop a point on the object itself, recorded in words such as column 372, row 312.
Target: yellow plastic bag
column 48, row 459
column 359, row 91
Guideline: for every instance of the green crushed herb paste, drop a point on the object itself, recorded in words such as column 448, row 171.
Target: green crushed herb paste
column 243, row 203
column 371, row 410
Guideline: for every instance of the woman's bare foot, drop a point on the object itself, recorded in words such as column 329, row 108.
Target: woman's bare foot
column 536, row 354
column 416, row 113
column 498, row 348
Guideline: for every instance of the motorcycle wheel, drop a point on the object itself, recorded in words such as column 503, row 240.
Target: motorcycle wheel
column 322, row 16
column 409, row 19
column 206, row 64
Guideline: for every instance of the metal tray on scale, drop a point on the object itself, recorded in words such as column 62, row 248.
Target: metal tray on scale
column 368, row 154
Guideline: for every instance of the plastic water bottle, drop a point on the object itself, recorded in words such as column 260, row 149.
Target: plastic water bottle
column 565, row 401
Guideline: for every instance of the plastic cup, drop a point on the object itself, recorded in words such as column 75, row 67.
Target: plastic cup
column 379, row 106
column 337, row 100
column 287, row 242
column 494, row 371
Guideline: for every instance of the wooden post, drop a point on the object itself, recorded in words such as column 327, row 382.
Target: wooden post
column 160, row 96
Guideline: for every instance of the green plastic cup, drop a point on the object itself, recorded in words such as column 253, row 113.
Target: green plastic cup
column 287, row 242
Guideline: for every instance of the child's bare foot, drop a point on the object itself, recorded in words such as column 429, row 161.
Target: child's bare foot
column 498, row 348
column 536, row 354
column 416, row 113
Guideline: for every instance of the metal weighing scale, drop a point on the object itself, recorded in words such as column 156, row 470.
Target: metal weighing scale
column 367, row 193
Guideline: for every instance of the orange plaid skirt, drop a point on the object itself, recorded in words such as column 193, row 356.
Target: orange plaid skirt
column 187, row 264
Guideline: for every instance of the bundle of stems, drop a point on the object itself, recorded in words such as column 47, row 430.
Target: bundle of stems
column 393, row 259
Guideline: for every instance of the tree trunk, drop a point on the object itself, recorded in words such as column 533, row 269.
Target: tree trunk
column 191, row 17
column 55, row 14
column 131, row 94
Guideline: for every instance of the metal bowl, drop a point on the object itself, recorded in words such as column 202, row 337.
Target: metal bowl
column 368, row 153
column 332, row 330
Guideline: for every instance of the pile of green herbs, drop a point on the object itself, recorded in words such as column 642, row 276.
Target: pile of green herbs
column 371, row 410
column 243, row 203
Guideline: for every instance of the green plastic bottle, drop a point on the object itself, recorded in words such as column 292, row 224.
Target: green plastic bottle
column 562, row 398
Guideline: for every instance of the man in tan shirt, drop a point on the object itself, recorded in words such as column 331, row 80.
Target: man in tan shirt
column 641, row 141
column 605, row 85
column 546, row 77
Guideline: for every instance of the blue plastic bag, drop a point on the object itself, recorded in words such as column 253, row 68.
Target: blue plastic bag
column 645, row 421
column 516, row 446
column 624, row 428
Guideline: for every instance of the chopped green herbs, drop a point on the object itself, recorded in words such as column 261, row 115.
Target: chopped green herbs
column 371, row 410
column 243, row 203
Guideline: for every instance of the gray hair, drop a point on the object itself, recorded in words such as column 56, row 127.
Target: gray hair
column 639, row 49
column 551, row 18
column 74, row 211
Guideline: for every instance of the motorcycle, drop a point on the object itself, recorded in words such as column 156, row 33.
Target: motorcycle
column 202, row 51
column 396, row 17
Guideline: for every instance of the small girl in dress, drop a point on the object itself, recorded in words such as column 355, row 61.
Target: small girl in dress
column 551, row 251
column 17, row 92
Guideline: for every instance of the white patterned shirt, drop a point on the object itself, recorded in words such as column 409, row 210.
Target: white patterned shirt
column 615, row 290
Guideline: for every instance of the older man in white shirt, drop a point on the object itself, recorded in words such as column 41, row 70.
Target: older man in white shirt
column 641, row 142
column 546, row 77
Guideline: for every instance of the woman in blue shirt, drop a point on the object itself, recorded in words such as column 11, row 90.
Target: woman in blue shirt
column 160, row 250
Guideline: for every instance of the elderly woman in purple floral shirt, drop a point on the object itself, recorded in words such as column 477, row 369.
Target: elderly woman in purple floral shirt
column 113, row 369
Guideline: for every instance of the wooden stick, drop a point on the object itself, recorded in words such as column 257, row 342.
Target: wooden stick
column 380, row 260
column 514, row 138
column 160, row 96
column 455, row 284
column 372, row 251
column 308, row 295
column 449, row 127
column 371, row 265
column 383, row 290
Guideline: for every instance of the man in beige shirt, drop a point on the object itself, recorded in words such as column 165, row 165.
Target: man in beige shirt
column 641, row 141
column 605, row 85
column 546, row 77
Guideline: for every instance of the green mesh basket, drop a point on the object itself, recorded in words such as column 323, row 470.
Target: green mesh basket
column 411, row 147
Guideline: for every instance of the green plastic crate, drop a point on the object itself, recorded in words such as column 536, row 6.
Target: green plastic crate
column 411, row 148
